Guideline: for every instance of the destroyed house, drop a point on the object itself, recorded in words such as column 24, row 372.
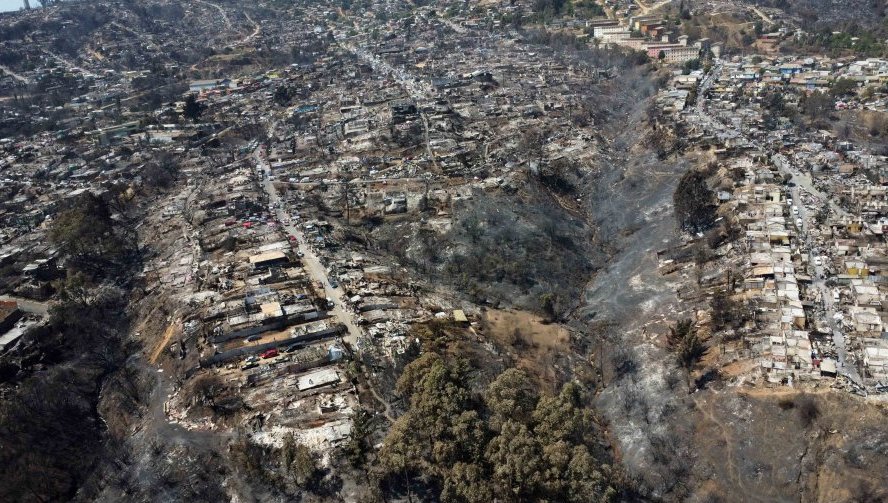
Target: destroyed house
column 268, row 259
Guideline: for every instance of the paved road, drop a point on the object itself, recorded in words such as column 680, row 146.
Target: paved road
column 70, row 64
column 419, row 90
column 310, row 261
column 826, row 295
column 801, row 181
column 804, row 180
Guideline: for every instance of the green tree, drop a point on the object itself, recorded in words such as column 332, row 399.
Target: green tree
column 726, row 312
column 843, row 87
column 467, row 483
column 818, row 105
column 88, row 237
column 587, row 479
column 298, row 461
column 357, row 447
column 548, row 303
column 282, row 96
column 469, row 434
column 511, row 396
column 512, row 446
column 563, row 417
column 439, row 428
column 516, row 461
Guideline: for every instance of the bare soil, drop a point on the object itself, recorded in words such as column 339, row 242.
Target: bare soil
column 536, row 344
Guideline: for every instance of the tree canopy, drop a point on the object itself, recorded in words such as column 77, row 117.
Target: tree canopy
column 505, row 443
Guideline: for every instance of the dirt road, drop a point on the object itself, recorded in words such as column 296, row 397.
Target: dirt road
column 14, row 75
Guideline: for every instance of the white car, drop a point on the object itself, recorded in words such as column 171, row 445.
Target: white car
column 818, row 262
column 799, row 222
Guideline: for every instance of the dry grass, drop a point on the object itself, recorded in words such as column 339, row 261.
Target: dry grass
column 534, row 344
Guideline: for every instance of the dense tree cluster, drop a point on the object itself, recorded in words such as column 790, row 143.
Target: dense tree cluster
column 192, row 109
column 507, row 443
column 818, row 106
column 727, row 312
column 288, row 469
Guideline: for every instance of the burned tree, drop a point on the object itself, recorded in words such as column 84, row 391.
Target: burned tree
column 694, row 203
column 685, row 343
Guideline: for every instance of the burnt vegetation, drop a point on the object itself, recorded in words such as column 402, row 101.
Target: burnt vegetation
column 694, row 202
column 54, row 437
column 504, row 250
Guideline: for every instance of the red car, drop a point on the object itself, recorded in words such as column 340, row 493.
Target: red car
column 292, row 238
column 271, row 353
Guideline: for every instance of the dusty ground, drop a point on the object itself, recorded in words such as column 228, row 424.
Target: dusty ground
column 536, row 344
column 760, row 446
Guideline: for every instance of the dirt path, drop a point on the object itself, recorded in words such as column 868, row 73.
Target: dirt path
column 647, row 8
column 387, row 409
column 12, row 74
column 218, row 8
column 761, row 14
column 251, row 36
column 164, row 342
column 726, row 436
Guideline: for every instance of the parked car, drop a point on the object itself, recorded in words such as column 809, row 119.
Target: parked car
column 254, row 338
column 293, row 347
column 271, row 353
column 250, row 365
